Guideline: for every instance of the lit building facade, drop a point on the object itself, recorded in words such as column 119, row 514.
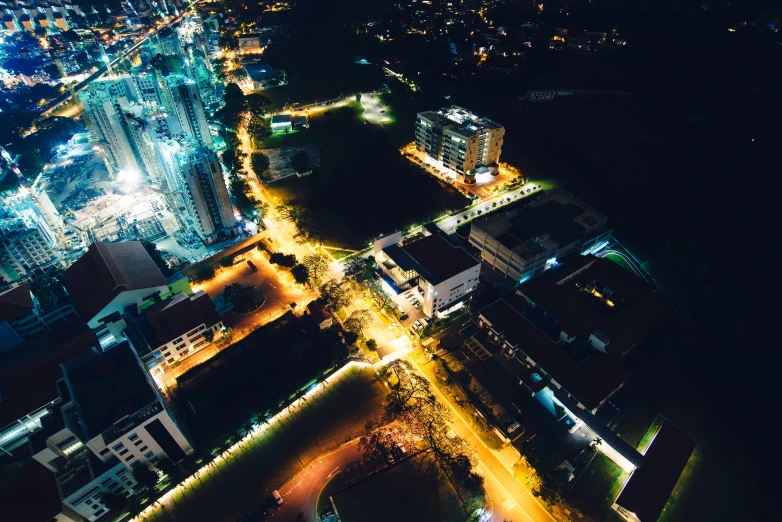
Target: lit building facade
column 460, row 141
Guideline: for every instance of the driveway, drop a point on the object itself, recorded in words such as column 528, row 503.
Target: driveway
column 300, row 494
column 276, row 285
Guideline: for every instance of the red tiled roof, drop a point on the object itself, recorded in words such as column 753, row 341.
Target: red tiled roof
column 15, row 302
column 105, row 271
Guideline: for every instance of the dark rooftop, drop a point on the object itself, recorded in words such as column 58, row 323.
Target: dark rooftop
column 434, row 258
column 22, row 395
column 105, row 271
column 635, row 305
column 649, row 487
column 15, row 302
column 590, row 381
column 108, row 387
column 552, row 218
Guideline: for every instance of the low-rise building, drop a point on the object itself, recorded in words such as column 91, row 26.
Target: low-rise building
column 109, row 278
column 107, row 420
column 596, row 299
column 521, row 244
column 250, row 44
column 22, row 319
column 443, row 273
column 281, row 123
column 172, row 330
column 646, row 492
column 264, row 76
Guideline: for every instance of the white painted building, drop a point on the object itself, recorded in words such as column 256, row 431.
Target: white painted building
column 107, row 279
column 444, row 274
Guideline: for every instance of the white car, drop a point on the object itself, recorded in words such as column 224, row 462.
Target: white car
column 393, row 325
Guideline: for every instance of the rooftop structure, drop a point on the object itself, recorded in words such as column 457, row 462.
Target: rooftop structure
column 647, row 490
column 596, row 299
column 520, row 244
column 171, row 330
column 264, row 76
column 445, row 274
column 460, row 141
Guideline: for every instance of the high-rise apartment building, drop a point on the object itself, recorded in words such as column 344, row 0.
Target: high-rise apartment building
column 460, row 141
column 195, row 181
column 189, row 109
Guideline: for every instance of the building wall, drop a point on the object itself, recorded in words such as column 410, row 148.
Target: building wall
column 87, row 500
column 123, row 300
column 181, row 348
column 448, row 292
column 136, row 446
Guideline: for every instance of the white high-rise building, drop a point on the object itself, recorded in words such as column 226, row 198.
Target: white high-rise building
column 189, row 109
column 195, row 180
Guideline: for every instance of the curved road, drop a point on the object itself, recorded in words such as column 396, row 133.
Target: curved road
column 300, row 494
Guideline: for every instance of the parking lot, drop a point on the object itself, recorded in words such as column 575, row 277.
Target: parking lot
column 407, row 301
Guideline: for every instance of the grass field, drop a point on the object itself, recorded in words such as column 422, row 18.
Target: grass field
column 363, row 187
column 243, row 481
column 401, row 492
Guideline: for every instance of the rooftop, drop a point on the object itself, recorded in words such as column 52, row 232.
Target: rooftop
column 622, row 307
column 460, row 120
column 556, row 216
column 166, row 320
column 432, row 257
column 261, row 71
column 649, row 487
column 589, row 379
column 108, row 387
column 281, row 118
column 105, row 271
column 22, row 395
column 15, row 302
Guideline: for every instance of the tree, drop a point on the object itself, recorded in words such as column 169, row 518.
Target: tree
column 371, row 345
column 360, row 269
column 157, row 257
column 40, row 31
column 260, row 163
column 300, row 274
column 227, row 261
column 113, row 501
column 301, row 162
column 290, row 211
column 358, row 321
column 335, row 295
column 241, row 297
column 209, row 335
column 145, row 476
column 256, row 104
column 167, row 466
column 203, row 272
column 286, row 260
column 308, row 229
column 317, row 265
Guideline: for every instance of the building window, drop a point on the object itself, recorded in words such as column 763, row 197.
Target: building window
column 144, row 448
column 118, row 446
column 148, row 455
column 132, row 437
column 130, row 457
column 138, row 442
column 105, row 451
column 121, row 453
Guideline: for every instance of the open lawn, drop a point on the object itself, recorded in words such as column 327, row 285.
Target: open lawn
column 597, row 488
column 363, row 187
column 243, row 481
column 401, row 492
column 256, row 375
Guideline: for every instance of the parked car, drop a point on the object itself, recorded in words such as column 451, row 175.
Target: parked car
column 277, row 497
column 404, row 317
column 252, row 266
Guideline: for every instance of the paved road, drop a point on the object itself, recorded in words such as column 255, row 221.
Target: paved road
column 300, row 494
column 508, row 494
column 448, row 225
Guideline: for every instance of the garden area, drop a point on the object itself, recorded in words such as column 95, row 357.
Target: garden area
column 290, row 444
column 257, row 375
column 363, row 187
